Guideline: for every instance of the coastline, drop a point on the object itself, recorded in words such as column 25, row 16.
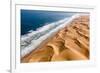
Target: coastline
column 60, row 54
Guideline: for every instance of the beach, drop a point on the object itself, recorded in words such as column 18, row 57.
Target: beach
column 68, row 44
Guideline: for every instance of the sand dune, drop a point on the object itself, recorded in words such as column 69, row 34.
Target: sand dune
column 70, row 43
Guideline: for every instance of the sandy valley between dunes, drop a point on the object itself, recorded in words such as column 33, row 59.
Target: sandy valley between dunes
column 70, row 43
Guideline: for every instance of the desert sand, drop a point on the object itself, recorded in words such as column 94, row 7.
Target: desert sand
column 69, row 44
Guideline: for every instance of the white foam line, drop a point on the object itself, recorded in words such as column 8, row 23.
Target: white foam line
column 37, row 42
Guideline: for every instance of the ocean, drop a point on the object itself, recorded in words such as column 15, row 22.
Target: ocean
column 31, row 20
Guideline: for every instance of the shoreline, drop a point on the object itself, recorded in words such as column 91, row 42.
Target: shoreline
column 29, row 48
column 55, row 34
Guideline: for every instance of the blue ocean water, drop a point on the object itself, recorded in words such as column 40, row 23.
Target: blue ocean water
column 33, row 19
